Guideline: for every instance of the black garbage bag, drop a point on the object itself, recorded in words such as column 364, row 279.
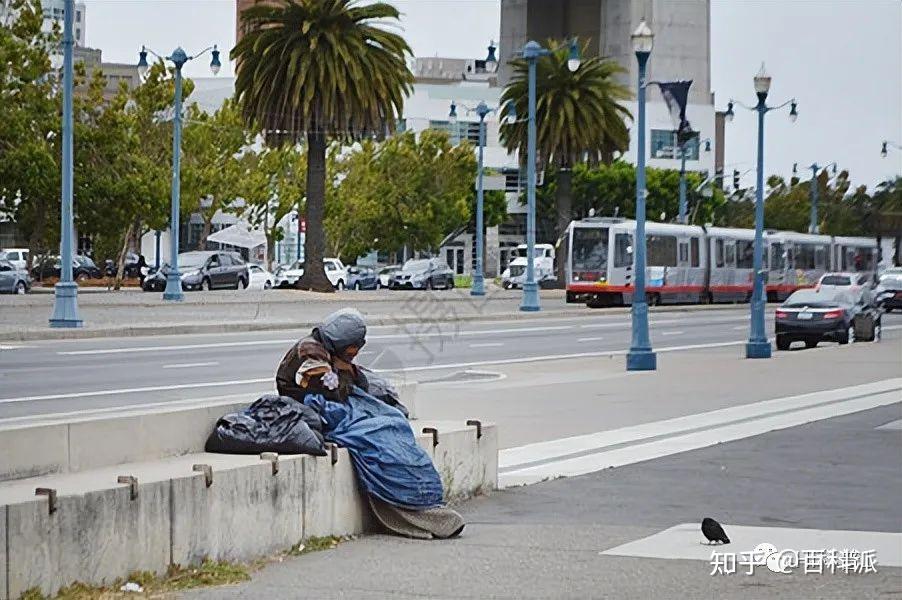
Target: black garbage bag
column 381, row 388
column 271, row 424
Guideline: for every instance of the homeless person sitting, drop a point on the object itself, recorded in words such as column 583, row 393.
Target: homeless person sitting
column 362, row 412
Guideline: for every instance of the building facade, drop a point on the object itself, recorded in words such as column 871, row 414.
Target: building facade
column 54, row 10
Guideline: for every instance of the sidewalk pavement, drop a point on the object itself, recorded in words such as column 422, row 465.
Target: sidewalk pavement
column 121, row 314
column 546, row 540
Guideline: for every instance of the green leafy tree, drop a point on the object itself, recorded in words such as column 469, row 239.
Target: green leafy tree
column 315, row 70
column 29, row 128
column 579, row 117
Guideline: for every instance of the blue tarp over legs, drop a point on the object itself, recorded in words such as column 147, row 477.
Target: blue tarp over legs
column 389, row 463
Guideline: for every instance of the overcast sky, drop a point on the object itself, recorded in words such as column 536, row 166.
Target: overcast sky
column 842, row 60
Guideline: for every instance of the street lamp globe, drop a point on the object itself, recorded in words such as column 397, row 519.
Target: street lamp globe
column 883, row 150
column 491, row 62
column 573, row 61
column 707, row 145
column 643, row 39
column 452, row 116
column 215, row 65
column 762, row 81
column 793, row 112
column 143, row 67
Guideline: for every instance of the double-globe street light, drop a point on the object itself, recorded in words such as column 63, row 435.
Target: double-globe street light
column 178, row 58
column 813, row 226
column 532, row 51
column 883, row 147
column 758, row 345
column 640, row 356
column 65, row 302
column 482, row 110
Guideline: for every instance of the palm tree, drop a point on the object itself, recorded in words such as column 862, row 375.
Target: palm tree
column 320, row 70
column 578, row 117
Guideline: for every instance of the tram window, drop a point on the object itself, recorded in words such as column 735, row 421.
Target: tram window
column 820, row 257
column 696, row 260
column 745, row 255
column 805, row 257
column 684, row 252
column 590, row 249
column 729, row 253
column 718, row 252
column 662, row 251
column 776, row 257
column 623, row 251
column 858, row 259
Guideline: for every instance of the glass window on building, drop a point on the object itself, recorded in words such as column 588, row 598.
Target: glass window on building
column 664, row 145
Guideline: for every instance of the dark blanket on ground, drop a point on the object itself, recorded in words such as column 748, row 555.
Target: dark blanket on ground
column 390, row 465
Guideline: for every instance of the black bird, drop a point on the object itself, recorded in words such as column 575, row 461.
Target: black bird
column 713, row 531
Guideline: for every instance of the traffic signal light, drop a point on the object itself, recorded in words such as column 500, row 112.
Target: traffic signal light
column 735, row 179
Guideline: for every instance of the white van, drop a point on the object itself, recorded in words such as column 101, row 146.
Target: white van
column 17, row 256
column 514, row 275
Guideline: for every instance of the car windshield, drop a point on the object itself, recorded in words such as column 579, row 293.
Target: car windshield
column 821, row 298
column 84, row 260
column 416, row 266
column 387, row 270
column 297, row 265
column 192, row 260
column 892, row 280
column 836, row 280
column 590, row 249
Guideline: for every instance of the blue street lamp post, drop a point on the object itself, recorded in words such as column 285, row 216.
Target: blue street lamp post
column 640, row 356
column 482, row 110
column 532, row 52
column 758, row 345
column 683, row 203
column 65, row 303
column 178, row 58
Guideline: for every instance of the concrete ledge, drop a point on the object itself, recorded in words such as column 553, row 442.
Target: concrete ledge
column 44, row 444
column 101, row 529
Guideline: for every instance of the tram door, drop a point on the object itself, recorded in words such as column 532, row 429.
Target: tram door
column 620, row 270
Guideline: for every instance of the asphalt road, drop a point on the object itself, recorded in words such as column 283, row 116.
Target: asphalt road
column 823, row 485
column 42, row 377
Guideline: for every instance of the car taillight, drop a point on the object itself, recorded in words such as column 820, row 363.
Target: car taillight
column 780, row 314
column 833, row 314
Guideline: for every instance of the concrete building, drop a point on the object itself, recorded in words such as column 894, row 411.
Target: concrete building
column 54, row 11
column 682, row 51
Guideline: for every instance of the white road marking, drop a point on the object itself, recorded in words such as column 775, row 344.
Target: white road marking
column 701, row 430
column 156, row 388
column 528, row 359
column 487, row 345
column 590, row 339
column 741, row 328
column 11, row 347
column 683, row 542
column 190, row 365
column 672, row 332
column 891, row 426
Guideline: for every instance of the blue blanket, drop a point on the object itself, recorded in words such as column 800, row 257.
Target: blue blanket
column 389, row 463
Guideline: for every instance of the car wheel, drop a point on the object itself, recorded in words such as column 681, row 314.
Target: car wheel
column 20, row 288
column 811, row 343
column 451, row 284
column 81, row 277
column 267, row 285
column 357, row 286
column 205, row 284
column 242, row 283
column 428, row 284
column 340, row 285
column 783, row 342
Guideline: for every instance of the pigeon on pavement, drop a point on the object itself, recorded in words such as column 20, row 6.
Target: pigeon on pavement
column 713, row 531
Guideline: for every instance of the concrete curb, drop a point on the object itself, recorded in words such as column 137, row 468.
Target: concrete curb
column 212, row 328
column 128, row 502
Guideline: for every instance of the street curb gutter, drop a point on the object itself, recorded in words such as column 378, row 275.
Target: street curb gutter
column 212, row 328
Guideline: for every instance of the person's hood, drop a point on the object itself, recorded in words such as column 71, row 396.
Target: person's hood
column 342, row 329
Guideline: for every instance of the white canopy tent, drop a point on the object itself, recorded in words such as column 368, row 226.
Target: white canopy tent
column 240, row 235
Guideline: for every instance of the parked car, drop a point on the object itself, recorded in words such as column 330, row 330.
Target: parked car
column 133, row 266
column 843, row 280
column 17, row 256
column 514, row 276
column 423, row 273
column 362, row 278
column 13, row 279
column 82, row 268
column 812, row 316
column 203, row 271
column 260, row 278
column 335, row 271
column 888, row 293
column 385, row 274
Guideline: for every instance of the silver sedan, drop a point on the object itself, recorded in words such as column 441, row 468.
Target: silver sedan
column 13, row 280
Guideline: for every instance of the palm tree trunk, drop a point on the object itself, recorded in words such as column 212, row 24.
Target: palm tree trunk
column 563, row 210
column 314, row 277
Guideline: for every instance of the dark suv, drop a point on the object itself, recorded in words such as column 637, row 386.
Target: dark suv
column 204, row 271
